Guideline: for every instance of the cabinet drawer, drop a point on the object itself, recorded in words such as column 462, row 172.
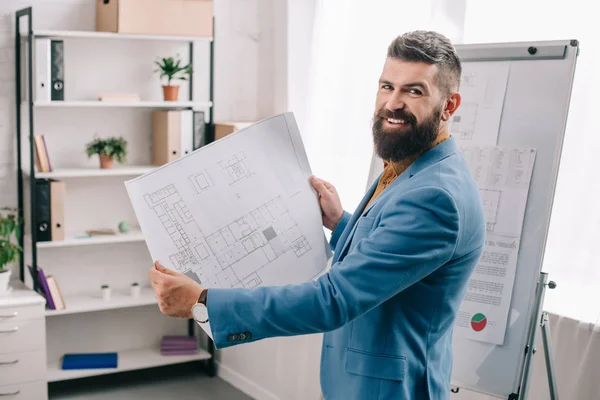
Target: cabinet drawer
column 21, row 336
column 26, row 391
column 19, row 313
column 22, row 367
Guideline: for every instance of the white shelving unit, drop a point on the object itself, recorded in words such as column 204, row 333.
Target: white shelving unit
column 81, row 240
column 57, row 34
column 130, row 104
column 128, row 360
column 62, row 173
column 84, row 303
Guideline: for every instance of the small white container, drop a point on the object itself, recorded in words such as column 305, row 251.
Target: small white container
column 135, row 290
column 105, row 292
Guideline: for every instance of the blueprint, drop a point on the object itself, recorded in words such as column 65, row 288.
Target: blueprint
column 482, row 90
column 503, row 176
column 239, row 212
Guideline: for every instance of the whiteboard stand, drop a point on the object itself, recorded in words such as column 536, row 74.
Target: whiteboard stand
column 542, row 317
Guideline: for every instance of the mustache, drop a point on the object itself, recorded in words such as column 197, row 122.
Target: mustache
column 396, row 114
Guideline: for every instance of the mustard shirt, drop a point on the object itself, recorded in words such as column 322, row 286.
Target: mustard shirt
column 391, row 170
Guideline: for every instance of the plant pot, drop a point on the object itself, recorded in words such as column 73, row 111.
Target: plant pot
column 106, row 162
column 170, row 93
column 4, row 280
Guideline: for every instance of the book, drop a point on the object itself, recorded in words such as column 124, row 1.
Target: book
column 46, row 289
column 42, row 159
column 178, row 352
column 98, row 232
column 90, row 360
column 59, row 302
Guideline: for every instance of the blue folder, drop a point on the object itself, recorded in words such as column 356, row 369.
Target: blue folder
column 89, row 361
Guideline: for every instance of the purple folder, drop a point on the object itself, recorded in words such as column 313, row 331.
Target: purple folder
column 41, row 280
column 178, row 352
column 178, row 339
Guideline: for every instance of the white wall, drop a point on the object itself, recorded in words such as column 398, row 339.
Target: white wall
column 282, row 368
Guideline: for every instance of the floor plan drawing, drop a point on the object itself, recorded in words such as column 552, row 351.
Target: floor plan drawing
column 482, row 89
column 261, row 236
column 236, row 168
column 201, row 182
column 463, row 122
column 491, row 202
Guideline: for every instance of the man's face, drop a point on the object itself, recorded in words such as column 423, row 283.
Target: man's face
column 408, row 109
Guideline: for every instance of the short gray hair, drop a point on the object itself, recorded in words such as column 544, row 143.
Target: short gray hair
column 431, row 48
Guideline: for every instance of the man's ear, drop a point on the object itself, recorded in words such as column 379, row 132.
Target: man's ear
column 451, row 105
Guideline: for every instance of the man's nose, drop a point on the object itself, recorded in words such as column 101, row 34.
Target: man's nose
column 395, row 102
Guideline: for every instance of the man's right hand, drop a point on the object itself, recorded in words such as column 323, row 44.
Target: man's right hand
column 331, row 206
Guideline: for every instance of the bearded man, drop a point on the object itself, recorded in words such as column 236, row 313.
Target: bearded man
column 401, row 262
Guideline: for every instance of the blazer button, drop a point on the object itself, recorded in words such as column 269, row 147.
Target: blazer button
column 230, row 338
column 248, row 335
column 242, row 336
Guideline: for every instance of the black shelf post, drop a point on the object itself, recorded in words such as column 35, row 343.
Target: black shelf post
column 26, row 12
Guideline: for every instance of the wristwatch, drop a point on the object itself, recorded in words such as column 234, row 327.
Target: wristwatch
column 199, row 310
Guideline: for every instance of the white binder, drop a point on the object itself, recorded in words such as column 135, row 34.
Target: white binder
column 41, row 72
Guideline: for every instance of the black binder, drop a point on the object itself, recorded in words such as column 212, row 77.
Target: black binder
column 42, row 210
column 57, row 70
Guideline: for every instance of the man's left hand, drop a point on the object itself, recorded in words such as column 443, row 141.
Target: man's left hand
column 175, row 292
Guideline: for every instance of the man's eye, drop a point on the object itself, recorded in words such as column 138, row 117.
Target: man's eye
column 415, row 92
column 386, row 87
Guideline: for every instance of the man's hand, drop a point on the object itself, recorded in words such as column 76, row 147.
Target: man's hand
column 175, row 292
column 331, row 206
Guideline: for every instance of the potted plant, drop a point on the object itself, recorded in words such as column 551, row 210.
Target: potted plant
column 172, row 69
column 10, row 230
column 108, row 149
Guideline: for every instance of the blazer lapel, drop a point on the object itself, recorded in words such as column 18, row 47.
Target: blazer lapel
column 344, row 239
column 431, row 157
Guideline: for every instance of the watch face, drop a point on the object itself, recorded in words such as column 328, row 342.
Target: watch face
column 200, row 313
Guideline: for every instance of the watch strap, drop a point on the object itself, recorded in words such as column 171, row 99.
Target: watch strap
column 202, row 297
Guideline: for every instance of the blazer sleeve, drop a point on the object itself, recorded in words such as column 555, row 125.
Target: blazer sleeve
column 416, row 235
column 339, row 229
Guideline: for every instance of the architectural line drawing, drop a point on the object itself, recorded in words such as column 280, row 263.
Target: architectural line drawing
column 201, row 181
column 236, row 168
column 233, row 255
column 491, row 204
column 463, row 122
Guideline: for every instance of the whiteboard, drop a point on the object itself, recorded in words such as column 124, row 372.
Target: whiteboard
column 534, row 116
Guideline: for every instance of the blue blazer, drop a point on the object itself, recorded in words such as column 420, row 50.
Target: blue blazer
column 389, row 302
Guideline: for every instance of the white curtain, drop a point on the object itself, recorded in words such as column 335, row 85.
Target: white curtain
column 350, row 43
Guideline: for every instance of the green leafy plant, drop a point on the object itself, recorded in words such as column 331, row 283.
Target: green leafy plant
column 172, row 69
column 114, row 147
column 10, row 230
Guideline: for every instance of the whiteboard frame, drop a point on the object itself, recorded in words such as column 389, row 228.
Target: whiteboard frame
column 554, row 62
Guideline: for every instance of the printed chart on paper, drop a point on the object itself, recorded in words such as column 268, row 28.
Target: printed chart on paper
column 239, row 212
column 503, row 176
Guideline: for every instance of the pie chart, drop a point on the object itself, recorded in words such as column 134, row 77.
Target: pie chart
column 478, row 322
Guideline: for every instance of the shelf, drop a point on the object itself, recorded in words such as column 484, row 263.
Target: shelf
column 110, row 35
column 84, row 303
column 131, row 104
column 71, row 240
column 92, row 172
column 127, row 361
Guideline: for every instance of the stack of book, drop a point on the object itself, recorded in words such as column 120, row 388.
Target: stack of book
column 178, row 345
